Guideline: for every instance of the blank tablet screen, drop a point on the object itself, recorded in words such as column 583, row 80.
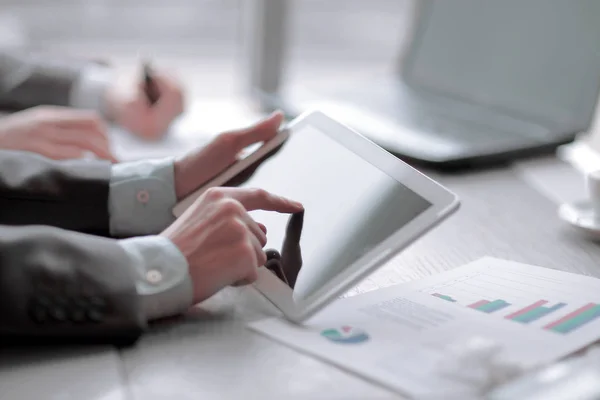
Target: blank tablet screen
column 350, row 206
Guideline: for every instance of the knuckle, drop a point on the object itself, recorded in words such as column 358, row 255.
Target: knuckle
column 229, row 139
column 96, row 122
column 260, row 193
column 230, row 206
column 245, row 249
column 252, row 275
column 236, row 229
column 214, row 193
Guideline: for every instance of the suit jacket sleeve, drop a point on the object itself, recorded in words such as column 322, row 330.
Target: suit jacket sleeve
column 29, row 79
column 65, row 286
column 65, row 194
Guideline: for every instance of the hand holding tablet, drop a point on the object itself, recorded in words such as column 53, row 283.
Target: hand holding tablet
column 245, row 160
column 223, row 158
column 361, row 206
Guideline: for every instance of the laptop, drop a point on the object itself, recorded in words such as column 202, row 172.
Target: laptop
column 480, row 82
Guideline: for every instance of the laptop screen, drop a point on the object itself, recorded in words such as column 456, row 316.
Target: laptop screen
column 532, row 58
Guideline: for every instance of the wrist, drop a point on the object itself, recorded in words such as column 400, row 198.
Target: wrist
column 115, row 101
column 91, row 89
column 179, row 174
column 189, row 172
column 141, row 197
column 161, row 273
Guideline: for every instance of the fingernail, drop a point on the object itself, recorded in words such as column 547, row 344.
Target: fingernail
column 297, row 204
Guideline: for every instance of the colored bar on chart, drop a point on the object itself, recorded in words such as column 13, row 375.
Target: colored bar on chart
column 445, row 297
column 576, row 319
column 571, row 315
column 479, row 304
column 537, row 313
column 493, row 306
column 526, row 309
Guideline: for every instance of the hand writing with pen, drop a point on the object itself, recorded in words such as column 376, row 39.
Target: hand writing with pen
column 144, row 106
column 147, row 107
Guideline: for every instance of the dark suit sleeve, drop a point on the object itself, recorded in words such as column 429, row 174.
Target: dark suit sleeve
column 66, row 194
column 65, row 286
column 29, row 79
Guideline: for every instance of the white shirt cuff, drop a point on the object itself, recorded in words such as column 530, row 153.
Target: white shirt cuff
column 89, row 91
column 141, row 197
column 162, row 277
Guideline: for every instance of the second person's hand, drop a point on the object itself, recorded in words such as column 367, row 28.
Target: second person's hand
column 128, row 105
column 221, row 242
column 56, row 132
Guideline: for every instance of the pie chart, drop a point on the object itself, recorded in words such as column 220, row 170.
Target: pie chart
column 345, row 334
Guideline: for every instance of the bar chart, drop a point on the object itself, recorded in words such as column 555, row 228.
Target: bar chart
column 535, row 311
column 575, row 319
column 535, row 298
column 444, row 297
column 534, row 314
column 487, row 306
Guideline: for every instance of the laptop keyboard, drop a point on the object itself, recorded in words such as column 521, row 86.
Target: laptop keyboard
column 402, row 106
column 451, row 128
column 429, row 121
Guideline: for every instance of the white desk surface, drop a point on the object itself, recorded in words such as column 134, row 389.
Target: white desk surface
column 210, row 354
column 62, row 373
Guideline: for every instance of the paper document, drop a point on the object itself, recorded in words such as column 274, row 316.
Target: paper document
column 127, row 147
column 182, row 137
column 397, row 336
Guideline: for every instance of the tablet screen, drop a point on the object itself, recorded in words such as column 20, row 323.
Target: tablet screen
column 350, row 206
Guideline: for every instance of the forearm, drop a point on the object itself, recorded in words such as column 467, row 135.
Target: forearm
column 61, row 284
column 66, row 194
column 132, row 199
column 29, row 79
column 142, row 196
column 163, row 283
column 122, row 200
column 78, row 287
column 90, row 90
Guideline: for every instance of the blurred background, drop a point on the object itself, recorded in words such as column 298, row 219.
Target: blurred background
column 203, row 39
column 223, row 50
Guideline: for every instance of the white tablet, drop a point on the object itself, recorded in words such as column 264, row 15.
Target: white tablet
column 362, row 206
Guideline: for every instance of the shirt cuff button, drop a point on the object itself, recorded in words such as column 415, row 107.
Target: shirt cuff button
column 143, row 196
column 153, row 276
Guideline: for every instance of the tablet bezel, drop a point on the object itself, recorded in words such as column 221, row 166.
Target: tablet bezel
column 443, row 203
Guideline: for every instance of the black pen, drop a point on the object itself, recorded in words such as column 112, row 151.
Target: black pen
column 150, row 85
